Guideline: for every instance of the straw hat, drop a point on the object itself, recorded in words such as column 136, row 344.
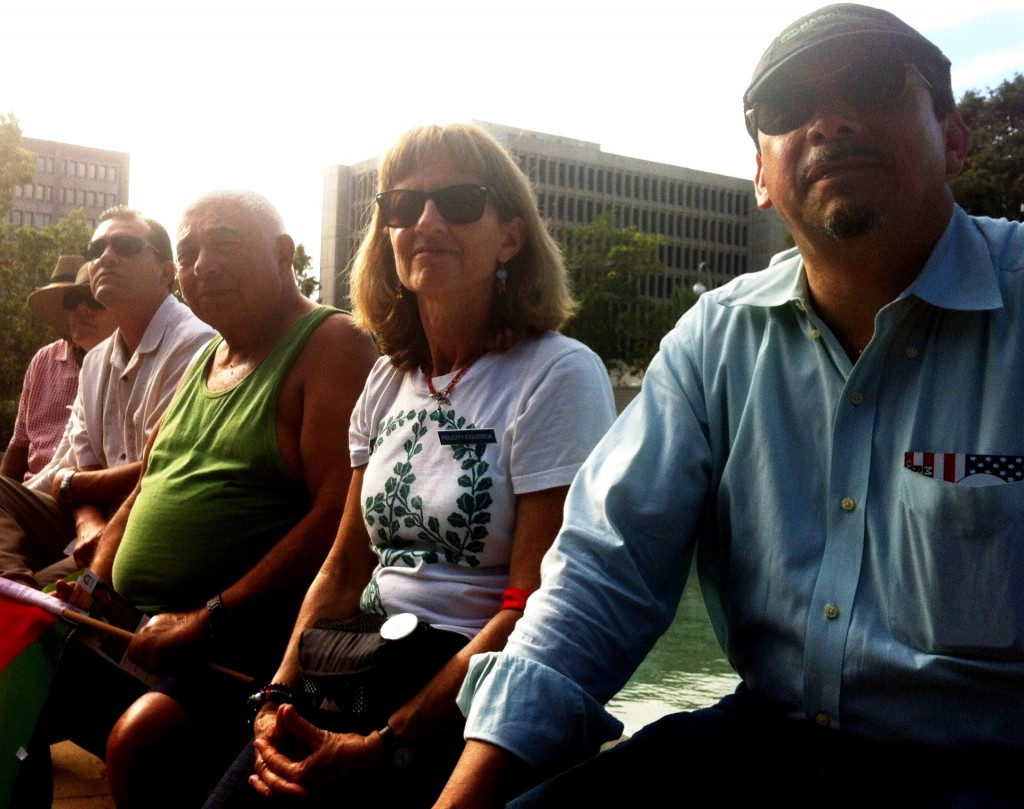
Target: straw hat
column 47, row 303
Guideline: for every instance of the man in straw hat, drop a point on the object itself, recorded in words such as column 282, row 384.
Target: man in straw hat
column 51, row 381
column 839, row 440
column 125, row 385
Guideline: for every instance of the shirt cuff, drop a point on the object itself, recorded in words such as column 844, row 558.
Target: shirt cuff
column 532, row 711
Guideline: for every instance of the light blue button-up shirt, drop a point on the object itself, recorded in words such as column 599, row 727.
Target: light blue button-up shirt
column 844, row 582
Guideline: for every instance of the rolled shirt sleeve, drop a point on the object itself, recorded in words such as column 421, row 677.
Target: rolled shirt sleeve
column 611, row 581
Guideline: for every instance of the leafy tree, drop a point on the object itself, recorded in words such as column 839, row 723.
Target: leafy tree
column 27, row 257
column 302, row 264
column 607, row 268
column 992, row 182
column 16, row 164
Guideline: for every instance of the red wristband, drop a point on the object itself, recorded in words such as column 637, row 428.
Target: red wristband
column 514, row 598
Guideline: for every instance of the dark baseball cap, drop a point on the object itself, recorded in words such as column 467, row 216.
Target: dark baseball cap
column 831, row 26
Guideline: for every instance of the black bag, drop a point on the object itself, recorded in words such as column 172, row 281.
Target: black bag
column 353, row 679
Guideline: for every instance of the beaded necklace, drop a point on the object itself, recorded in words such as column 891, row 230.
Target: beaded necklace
column 442, row 396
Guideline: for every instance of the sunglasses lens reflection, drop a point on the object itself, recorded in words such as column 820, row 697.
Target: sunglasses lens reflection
column 461, row 204
column 866, row 85
column 458, row 204
column 405, row 208
column 868, row 88
column 75, row 299
column 125, row 246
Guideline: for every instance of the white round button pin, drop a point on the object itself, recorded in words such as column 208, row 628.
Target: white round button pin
column 399, row 626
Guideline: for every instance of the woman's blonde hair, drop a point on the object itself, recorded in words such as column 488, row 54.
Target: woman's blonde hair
column 537, row 297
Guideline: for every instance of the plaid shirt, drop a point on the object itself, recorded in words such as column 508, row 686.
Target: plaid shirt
column 50, row 385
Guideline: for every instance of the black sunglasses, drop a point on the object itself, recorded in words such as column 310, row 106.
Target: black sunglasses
column 865, row 85
column 75, row 298
column 458, row 204
column 124, row 246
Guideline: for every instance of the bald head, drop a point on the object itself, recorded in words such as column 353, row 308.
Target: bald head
column 235, row 260
column 257, row 206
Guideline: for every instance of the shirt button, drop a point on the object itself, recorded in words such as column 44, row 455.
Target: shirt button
column 831, row 611
column 911, row 351
column 124, row 456
column 814, row 334
column 856, row 397
column 821, row 719
column 848, row 504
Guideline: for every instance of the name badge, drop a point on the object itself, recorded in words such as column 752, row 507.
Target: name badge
column 449, row 437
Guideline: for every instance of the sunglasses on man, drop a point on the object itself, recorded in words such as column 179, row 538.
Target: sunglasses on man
column 458, row 204
column 867, row 85
column 75, row 298
column 124, row 246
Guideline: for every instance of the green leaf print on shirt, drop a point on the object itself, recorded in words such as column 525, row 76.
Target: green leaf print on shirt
column 392, row 424
column 472, row 516
column 386, row 508
column 392, row 509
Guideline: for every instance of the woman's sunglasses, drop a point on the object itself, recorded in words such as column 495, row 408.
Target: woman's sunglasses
column 866, row 85
column 124, row 246
column 75, row 298
column 458, row 204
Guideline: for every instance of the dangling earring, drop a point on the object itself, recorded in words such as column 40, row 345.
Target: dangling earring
column 399, row 292
column 502, row 276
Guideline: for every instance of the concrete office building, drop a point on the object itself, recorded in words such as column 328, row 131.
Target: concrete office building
column 711, row 226
column 68, row 177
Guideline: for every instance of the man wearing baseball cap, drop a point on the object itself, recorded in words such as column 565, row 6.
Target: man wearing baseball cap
column 51, row 379
column 839, row 440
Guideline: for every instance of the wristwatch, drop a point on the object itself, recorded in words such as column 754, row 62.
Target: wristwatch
column 220, row 617
column 64, row 490
column 398, row 752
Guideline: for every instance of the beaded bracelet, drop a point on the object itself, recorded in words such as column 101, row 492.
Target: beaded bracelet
column 277, row 693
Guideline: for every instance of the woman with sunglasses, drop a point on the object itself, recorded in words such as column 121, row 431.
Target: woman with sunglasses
column 464, row 442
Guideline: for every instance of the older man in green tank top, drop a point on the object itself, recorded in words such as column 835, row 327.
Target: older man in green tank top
column 241, row 495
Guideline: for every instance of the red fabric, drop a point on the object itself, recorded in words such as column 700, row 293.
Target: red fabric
column 514, row 598
column 20, row 625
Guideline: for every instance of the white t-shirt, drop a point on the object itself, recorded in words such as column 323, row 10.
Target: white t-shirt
column 440, row 485
column 122, row 395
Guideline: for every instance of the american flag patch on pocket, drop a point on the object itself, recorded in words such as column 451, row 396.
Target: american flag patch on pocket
column 960, row 467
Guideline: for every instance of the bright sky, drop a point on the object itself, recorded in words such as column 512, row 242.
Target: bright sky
column 219, row 93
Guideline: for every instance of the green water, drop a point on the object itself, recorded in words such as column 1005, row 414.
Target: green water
column 685, row 670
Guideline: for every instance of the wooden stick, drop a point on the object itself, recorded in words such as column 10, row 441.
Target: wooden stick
column 54, row 606
column 116, row 631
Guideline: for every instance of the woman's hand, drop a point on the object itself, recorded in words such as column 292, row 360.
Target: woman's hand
column 293, row 756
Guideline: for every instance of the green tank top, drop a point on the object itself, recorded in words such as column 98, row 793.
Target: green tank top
column 215, row 496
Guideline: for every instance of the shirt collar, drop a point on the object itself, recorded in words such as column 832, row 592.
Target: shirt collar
column 961, row 273
column 158, row 324
column 782, row 282
column 125, row 361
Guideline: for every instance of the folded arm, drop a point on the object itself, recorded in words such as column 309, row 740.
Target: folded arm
column 96, row 486
column 433, row 708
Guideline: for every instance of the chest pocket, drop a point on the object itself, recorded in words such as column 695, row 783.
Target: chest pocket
column 957, row 568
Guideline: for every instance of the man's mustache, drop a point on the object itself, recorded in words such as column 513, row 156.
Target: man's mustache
column 838, row 152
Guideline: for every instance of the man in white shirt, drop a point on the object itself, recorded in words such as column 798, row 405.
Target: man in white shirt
column 126, row 383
